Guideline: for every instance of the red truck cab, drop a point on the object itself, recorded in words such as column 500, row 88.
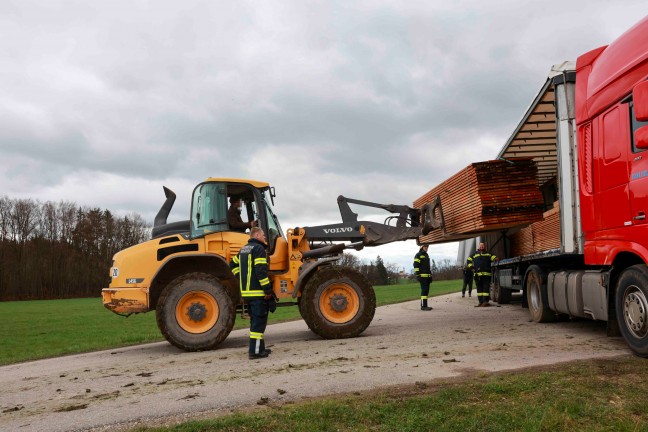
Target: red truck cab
column 614, row 170
column 587, row 132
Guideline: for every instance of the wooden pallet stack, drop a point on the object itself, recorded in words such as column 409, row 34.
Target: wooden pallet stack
column 540, row 236
column 486, row 196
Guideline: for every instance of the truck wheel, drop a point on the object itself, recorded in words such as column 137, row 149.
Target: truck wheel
column 195, row 313
column 632, row 308
column 536, row 289
column 499, row 294
column 337, row 303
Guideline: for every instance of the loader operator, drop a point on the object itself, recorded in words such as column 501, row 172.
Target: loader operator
column 234, row 216
column 251, row 266
column 480, row 263
column 423, row 275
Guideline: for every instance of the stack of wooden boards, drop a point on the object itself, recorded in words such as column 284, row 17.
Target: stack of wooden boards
column 486, row 196
column 539, row 236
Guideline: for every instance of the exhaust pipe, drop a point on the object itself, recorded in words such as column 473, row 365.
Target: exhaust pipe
column 161, row 217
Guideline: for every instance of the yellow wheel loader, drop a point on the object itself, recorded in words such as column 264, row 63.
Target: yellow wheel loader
column 183, row 271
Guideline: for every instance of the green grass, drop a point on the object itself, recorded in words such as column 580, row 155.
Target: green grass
column 595, row 395
column 47, row 328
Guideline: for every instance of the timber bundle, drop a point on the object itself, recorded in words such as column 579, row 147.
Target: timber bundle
column 539, row 236
column 486, row 196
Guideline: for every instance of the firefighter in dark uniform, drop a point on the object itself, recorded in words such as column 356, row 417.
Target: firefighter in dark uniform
column 423, row 275
column 467, row 281
column 480, row 263
column 251, row 266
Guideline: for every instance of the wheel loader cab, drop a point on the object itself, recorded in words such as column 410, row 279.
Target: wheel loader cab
column 209, row 214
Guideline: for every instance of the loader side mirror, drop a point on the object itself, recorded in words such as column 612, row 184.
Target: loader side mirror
column 272, row 194
column 640, row 101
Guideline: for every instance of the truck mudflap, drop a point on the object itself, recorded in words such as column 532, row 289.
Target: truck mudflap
column 125, row 300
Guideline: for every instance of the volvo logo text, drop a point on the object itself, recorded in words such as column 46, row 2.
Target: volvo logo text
column 337, row 230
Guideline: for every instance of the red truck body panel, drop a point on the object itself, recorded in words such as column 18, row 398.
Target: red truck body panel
column 613, row 176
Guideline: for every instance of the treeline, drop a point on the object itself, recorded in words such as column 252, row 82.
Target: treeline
column 59, row 250
column 379, row 273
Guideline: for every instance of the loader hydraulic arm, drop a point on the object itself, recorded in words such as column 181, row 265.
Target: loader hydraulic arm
column 410, row 223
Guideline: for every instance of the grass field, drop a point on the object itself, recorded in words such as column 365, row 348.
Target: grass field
column 47, row 328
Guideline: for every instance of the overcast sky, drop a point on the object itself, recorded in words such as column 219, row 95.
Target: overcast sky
column 103, row 102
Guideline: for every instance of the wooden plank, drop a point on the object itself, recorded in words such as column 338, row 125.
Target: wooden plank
column 483, row 197
column 539, row 236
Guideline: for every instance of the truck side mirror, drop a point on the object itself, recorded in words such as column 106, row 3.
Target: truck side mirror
column 640, row 101
column 641, row 138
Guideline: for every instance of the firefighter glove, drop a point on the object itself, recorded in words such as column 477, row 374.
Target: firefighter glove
column 272, row 304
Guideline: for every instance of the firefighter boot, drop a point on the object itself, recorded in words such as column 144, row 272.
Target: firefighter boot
column 263, row 348
column 424, row 305
column 257, row 349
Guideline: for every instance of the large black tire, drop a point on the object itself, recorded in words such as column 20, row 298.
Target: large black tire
column 195, row 312
column 337, row 302
column 499, row 294
column 536, row 289
column 632, row 308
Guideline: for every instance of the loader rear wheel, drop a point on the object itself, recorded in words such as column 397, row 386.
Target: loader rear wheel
column 195, row 312
column 536, row 289
column 632, row 308
column 337, row 303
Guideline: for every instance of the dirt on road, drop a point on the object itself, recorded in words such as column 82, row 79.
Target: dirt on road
column 124, row 387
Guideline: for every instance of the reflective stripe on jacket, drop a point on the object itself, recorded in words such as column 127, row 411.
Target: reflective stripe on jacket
column 422, row 264
column 251, row 265
column 481, row 263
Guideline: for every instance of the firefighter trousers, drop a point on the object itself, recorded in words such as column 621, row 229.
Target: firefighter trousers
column 258, row 309
column 482, row 284
column 468, row 285
column 425, row 290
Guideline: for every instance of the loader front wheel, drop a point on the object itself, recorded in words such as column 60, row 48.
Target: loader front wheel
column 337, row 303
column 195, row 312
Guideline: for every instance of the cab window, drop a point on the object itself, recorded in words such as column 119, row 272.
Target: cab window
column 208, row 209
column 243, row 207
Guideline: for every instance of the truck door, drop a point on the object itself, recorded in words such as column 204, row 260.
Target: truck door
column 638, row 175
column 612, row 202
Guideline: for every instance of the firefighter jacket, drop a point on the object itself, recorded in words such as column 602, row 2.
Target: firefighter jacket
column 251, row 266
column 480, row 263
column 422, row 265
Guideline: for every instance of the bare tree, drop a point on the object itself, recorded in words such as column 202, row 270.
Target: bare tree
column 6, row 210
column 66, row 213
column 49, row 223
column 349, row 260
column 23, row 220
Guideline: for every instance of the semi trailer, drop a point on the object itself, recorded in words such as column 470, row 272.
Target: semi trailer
column 587, row 131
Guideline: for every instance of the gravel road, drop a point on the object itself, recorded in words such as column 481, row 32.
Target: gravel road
column 124, row 387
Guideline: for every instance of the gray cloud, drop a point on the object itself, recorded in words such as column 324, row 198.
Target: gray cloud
column 104, row 102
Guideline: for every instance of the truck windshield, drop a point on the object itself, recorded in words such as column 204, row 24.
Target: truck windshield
column 208, row 209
